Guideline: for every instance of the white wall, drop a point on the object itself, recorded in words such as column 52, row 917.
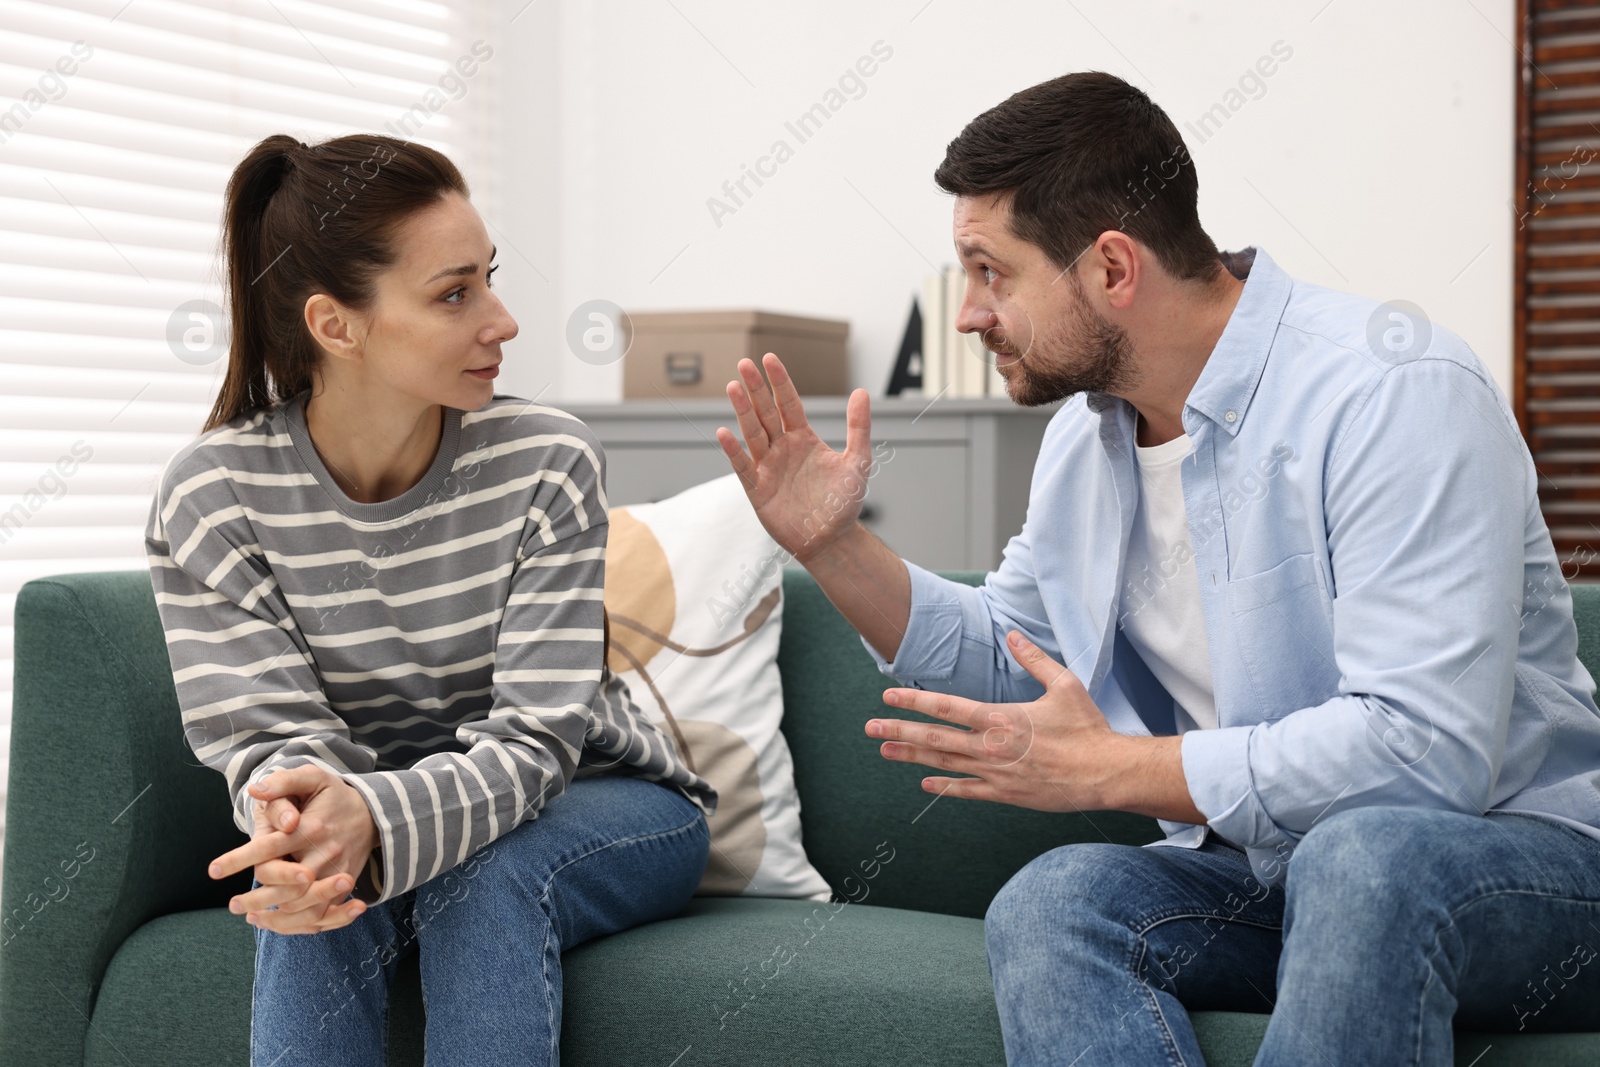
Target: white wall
column 1378, row 159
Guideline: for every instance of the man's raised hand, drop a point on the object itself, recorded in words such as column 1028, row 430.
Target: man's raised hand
column 804, row 493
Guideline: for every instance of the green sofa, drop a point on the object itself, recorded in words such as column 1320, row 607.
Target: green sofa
column 119, row 950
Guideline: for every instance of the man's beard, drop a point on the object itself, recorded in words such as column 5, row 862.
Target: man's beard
column 1091, row 354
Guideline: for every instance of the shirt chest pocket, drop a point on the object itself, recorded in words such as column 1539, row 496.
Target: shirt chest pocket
column 1283, row 630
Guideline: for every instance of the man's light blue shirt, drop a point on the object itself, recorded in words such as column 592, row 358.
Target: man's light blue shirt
column 1387, row 619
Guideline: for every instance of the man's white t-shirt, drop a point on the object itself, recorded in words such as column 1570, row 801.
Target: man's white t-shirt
column 1160, row 603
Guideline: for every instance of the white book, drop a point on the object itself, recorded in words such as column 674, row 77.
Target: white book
column 964, row 367
column 933, row 361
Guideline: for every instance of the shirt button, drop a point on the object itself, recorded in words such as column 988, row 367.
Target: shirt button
column 1230, row 416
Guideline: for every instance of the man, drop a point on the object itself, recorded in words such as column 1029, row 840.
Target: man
column 1284, row 585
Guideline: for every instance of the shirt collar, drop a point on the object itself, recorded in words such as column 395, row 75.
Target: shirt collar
column 1228, row 380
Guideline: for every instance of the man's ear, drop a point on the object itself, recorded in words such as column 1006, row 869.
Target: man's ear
column 332, row 326
column 1121, row 264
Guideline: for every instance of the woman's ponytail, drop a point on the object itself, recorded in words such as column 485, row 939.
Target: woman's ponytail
column 305, row 219
column 250, row 189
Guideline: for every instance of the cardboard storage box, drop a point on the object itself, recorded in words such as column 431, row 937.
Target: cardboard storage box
column 696, row 353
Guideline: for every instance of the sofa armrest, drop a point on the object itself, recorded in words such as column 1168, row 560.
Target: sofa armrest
column 111, row 820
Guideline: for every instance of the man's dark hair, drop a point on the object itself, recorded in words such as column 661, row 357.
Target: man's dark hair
column 1079, row 155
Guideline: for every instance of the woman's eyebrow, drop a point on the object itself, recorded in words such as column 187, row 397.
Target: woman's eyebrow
column 464, row 269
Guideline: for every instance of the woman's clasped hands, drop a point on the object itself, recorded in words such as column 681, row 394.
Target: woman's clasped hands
column 313, row 836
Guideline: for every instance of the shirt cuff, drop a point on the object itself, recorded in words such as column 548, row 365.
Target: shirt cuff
column 375, row 878
column 1216, row 766
column 940, row 611
column 369, row 883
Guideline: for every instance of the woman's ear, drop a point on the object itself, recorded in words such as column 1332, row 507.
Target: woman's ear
column 332, row 326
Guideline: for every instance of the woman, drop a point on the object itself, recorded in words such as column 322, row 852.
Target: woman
column 381, row 589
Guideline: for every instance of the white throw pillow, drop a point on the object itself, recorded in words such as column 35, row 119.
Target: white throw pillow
column 694, row 597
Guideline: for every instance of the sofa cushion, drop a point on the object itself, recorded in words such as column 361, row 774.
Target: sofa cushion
column 694, row 600
column 730, row 981
column 741, row 980
column 177, row 991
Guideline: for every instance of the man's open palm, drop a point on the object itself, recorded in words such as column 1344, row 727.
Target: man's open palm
column 803, row 492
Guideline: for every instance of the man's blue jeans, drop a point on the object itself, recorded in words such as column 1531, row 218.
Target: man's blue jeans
column 607, row 854
column 1393, row 923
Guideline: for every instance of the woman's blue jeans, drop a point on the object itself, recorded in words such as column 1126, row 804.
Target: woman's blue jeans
column 1393, row 925
column 607, row 854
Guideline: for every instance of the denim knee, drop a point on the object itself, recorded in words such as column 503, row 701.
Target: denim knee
column 1017, row 904
column 1373, row 839
column 1051, row 892
column 1379, row 857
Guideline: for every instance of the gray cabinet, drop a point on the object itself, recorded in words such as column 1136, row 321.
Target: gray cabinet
column 950, row 490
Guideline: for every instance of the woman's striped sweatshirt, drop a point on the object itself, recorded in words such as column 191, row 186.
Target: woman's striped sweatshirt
column 442, row 652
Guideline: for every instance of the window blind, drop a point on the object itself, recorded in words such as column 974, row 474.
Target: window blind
column 1556, row 332
column 119, row 125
